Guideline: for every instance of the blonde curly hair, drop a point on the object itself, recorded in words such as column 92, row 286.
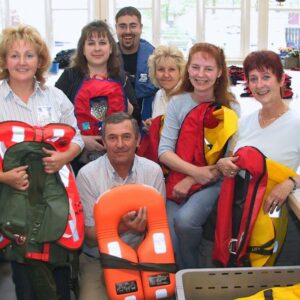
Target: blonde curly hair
column 162, row 52
column 29, row 34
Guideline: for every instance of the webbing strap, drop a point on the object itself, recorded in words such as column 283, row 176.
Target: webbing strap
column 43, row 256
column 268, row 294
column 114, row 262
column 262, row 248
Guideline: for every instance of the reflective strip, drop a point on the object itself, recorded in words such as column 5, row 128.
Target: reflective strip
column 18, row 134
column 64, row 174
column 2, row 149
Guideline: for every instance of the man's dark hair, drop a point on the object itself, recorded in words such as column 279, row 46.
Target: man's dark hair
column 119, row 117
column 129, row 11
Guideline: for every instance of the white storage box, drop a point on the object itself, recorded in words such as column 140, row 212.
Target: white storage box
column 230, row 283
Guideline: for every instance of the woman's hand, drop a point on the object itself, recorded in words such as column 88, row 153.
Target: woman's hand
column 54, row 160
column 227, row 166
column 278, row 196
column 93, row 143
column 206, row 174
column 17, row 178
column 129, row 107
column 182, row 188
column 146, row 125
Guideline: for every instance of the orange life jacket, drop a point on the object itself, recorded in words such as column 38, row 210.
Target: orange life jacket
column 59, row 137
column 143, row 273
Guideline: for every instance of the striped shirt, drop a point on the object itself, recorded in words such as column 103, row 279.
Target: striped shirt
column 43, row 107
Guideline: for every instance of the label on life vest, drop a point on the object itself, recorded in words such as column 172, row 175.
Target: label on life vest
column 159, row 279
column 126, row 287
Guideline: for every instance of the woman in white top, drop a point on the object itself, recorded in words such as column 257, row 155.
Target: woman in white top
column 274, row 130
column 166, row 68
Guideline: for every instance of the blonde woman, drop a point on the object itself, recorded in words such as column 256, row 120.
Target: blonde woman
column 166, row 68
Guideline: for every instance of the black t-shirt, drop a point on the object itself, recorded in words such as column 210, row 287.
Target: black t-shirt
column 130, row 61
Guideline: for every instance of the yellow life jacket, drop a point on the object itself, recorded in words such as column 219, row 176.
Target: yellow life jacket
column 276, row 293
column 266, row 228
column 245, row 235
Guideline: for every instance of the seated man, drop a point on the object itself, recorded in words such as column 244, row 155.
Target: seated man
column 118, row 166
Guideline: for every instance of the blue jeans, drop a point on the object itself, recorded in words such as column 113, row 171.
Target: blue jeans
column 186, row 224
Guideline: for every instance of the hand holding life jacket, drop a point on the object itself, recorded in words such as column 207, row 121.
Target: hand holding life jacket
column 244, row 234
column 149, row 144
column 139, row 274
column 202, row 140
column 49, row 212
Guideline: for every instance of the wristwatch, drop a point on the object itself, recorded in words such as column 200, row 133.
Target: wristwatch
column 295, row 182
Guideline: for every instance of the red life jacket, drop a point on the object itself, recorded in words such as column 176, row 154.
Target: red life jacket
column 96, row 99
column 144, row 273
column 244, row 234
column 59, row 137
column 193, row 146
column 149, row 145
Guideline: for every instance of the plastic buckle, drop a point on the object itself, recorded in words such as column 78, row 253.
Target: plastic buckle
column 232, row 247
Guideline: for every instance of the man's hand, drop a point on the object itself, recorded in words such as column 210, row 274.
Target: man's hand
column 93, row 143
column 134, row 221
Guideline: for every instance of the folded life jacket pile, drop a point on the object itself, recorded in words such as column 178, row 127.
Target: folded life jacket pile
column 236, row 74
column 245, row 235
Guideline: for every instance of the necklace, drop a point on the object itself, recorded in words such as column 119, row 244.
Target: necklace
column 264, row 122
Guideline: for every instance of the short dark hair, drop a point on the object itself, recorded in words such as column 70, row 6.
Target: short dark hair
column 129, row 11
column 119, row 117
column 261, row 60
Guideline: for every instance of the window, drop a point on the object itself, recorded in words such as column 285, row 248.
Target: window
column 284, row 25
column 59, row 22
column 68, row 18
column 176, row 28
column 238, row 26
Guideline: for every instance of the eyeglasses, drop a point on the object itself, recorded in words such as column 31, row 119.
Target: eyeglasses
column 131, row 26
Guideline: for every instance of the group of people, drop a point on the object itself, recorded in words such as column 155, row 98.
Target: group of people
column 150, row 83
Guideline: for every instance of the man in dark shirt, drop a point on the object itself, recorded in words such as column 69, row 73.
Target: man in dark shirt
column 135, row 52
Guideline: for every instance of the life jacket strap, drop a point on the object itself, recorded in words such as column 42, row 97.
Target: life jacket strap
column 113, row 262
column 262, row 249
column 43, row 256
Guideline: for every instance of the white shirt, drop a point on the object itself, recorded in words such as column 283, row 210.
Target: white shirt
column 280, row 141
column 43, row 107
